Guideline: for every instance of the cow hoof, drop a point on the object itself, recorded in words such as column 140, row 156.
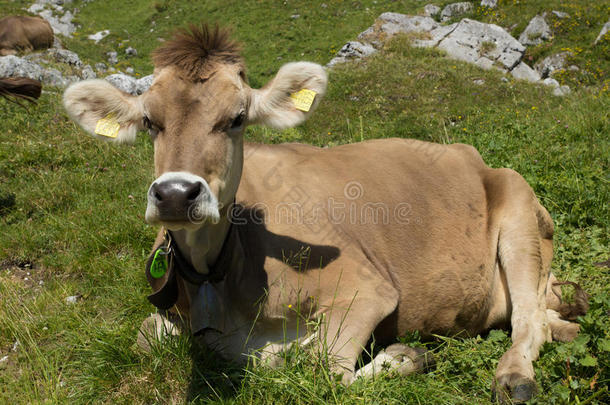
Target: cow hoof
column 513, row 389
column 155, row 328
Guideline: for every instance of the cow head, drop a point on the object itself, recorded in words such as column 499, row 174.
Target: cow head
column 195, row 111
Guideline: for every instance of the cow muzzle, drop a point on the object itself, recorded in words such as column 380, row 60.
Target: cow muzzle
column 180, row 200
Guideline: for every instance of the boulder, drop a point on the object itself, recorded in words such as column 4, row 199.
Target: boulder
column 12, row 66
column 524, row 72
column 131, row 51
column 536, row 31
column 130, row 84
column 123, row 82
column 436, row 35
column 65, row 56
column 390, row 24
column 489, row 3
column 352, row 50
column 484, row 44
column 603, row 32
column 561, row 91
column 87, row 72
column 548, row 65
column 550, row 82
column 430, row 10
column 143, row 84
column 455, row 9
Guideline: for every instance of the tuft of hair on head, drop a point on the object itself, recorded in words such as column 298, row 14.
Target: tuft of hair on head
column 20, row 88
column 197, row 50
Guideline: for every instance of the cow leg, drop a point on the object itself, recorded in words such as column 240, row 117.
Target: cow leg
column 397, row 359
column 526, row 264
column 347, row 324
column 156, row 328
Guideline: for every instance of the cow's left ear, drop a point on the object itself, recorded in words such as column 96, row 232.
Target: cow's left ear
column 104, row 111
column 290, row 97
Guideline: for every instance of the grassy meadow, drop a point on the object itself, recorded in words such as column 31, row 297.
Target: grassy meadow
column 72, row 208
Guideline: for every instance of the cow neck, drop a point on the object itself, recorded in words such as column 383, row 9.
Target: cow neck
column 207, row 249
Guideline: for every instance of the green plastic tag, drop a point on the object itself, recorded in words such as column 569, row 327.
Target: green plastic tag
column 158, row 267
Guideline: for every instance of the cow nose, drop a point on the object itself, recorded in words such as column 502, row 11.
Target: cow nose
column 177, row 192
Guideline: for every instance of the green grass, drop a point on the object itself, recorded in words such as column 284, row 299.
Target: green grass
column 77, row 220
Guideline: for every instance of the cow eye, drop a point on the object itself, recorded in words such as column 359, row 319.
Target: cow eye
column 238, row 121
column 152, row 128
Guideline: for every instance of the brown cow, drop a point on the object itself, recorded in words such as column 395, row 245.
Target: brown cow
column 24, row 34
column 323, row 247
column 20, row 88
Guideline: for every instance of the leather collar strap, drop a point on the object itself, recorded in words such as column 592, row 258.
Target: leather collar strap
column 178, row 267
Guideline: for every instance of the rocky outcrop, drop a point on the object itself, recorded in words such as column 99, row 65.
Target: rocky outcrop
column 487, row 45
column 536, row 32
column 53, row 11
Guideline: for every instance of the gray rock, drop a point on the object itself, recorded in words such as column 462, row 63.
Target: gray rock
column 479, row 82
column 66, row 56
column 550, row 82
column 100, row 67
column 88, row 73
column 295, row 16
column 548, row 65
column 603, row 32
column 112, row 57
column 98, row 36
column 11, row 66
column 505, row 79
column 123, row 82
column 536, row 31
column 436, row 35
column 131, row 51
column 472, row 40
column 489, row 3
column 129, row 70
column 455, row 9
column 524, row 72
column 62, row 25
column 390, row 24
column 560, row 14
column 430, row 10
column 143, row 84
column 561, row 91
column 53, row 77
column 573, row 68
column 36, row 8
column 352, row 50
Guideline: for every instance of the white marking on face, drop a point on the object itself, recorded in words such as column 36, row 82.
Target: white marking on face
column 203, row 208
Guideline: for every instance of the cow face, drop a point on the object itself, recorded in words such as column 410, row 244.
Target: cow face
column 195, row 111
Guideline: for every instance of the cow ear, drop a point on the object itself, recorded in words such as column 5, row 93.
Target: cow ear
column 104, row 111
column 290, row 97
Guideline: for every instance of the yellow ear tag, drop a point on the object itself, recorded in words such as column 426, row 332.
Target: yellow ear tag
column 108, row 126
column 303, row 99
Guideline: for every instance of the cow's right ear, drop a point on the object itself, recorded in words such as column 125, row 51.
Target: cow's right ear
column 104, row 111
